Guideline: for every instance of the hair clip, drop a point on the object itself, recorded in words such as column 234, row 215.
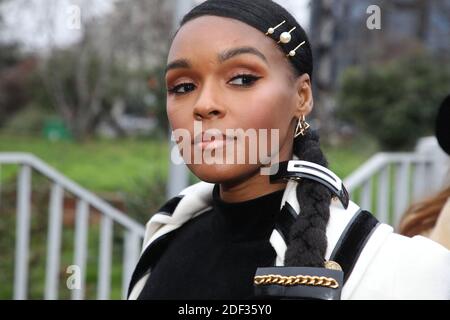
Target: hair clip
column 272, row 30
column 286, row 37
column 292, row 52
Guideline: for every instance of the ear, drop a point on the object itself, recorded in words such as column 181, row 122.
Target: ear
column 304, row 96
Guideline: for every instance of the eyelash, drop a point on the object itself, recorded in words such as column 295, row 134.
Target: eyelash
column 174, row 89
column 246, row 75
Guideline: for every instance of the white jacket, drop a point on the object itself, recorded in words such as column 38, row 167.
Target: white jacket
column 390, row 266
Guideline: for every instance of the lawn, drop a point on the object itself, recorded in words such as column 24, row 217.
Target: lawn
column 100, row 165
column 345, row 158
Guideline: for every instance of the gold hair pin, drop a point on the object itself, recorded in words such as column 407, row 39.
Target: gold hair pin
column 272, row 30
column 292, row 52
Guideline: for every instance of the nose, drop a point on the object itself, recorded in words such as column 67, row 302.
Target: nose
column 207, row 107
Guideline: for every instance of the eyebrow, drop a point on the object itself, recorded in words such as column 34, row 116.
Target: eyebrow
column 222, row 57
column 178, row 64
column 231, row 53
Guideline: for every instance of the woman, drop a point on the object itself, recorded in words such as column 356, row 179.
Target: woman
column 431, row 217
column 241, row 234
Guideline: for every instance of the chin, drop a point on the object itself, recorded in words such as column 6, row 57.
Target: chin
column 223, row 173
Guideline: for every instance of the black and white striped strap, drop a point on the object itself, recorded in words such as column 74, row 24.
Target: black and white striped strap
column 298, row 169
column 352, row 241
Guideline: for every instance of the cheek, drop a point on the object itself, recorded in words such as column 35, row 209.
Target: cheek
column 271, row 106
column 170, row 114
column 177, row 116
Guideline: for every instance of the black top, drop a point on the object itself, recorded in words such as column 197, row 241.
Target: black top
column 215, row 255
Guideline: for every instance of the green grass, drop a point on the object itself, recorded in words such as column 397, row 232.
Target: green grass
column 345, row 158
column 100, row 165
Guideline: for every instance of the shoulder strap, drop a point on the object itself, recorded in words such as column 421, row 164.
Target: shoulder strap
column 352, row 241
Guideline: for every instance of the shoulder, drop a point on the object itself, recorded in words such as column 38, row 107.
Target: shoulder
column 189, row 203
column 404, row 268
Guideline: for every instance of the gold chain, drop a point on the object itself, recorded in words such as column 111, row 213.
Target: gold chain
column 296, row 280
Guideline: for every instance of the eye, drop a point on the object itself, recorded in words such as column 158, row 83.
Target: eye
column 182, row 88
column 244, row 80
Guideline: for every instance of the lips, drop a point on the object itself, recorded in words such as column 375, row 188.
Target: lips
column 212, row 140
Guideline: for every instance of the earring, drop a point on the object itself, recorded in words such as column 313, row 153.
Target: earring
column 292, row 52
column 286, row 37
column 302, row 127
column 272, row 30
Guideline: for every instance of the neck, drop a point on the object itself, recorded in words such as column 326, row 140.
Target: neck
column 255, row 185
column 251, row 187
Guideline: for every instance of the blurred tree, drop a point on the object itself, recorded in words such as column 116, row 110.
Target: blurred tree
column 340, row 39
column 110, row 64
column 395, row 102
column 16, row 73
column 158, row 85
column 145, row 197
column 323, row 29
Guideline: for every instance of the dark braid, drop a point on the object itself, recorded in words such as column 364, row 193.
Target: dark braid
column 308, row 236
column 308, row 241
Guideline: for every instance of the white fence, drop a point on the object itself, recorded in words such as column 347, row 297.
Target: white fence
column 389, row 182
column 132, row 232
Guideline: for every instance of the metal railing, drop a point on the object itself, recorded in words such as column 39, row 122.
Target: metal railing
column 389, row 182
column 85, row 201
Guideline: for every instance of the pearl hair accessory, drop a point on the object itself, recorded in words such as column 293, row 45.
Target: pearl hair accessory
column 286, row 37
column 272, row 30
column 292, row 52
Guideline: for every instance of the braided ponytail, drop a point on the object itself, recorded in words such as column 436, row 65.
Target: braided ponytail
column 308, row 241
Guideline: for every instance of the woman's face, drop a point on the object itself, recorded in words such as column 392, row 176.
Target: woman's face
column 227, row 75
